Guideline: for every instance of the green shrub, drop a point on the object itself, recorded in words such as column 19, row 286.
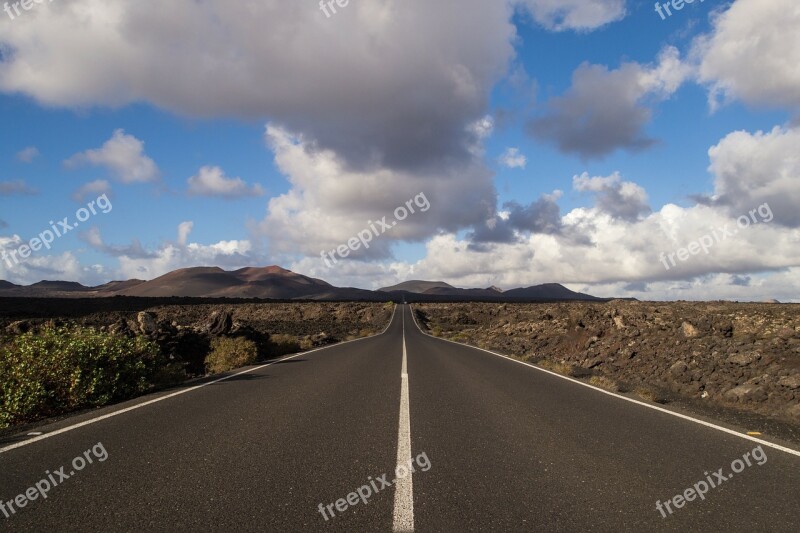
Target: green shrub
column 228, row 353
column 56, row 370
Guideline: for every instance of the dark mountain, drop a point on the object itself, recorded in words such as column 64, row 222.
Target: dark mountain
column 548, row 291
column 270, row 282
column 63, row 286
column 114, row 286
column 277, row 283
column 465, row 293
column 417, row 286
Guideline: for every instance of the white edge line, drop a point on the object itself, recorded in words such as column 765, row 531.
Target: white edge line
column 403, row 513
column 184, row 391
column 631, row 400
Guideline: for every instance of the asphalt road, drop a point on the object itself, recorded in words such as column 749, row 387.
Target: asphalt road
column 495, row 446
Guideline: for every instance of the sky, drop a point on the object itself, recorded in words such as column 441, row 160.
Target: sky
column 594, row 143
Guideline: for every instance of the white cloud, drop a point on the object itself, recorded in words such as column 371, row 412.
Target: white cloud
column 184, row 229
column 783, row 286
column 122, row 155
column 168, row 257
column 28, row 154
column 136, row 261
column 18, row 187
column 753, row 168
column 38, row 266
column 211, row 181
column 620, row 252
column 329, row 203
column 512, row 158
column 575, row 14
column 606, row 110
column 620, row 199
column 337, row 82
column 752, row 54
column 93, row 188
column 134, row 250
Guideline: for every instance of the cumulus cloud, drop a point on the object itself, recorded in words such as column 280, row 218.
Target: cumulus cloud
column 339, row 84
column 753, row 168
column 212, row 181
column 18, row 187
column 135, row 250
column 622, row 252
column 516, row 220
column 583, row 15
column 178, row 58
column 615, row 247
column 123, row 156
column 38, row 267
column 618, row 198
column 513, row 158
column 28, row 154
column 93, row 188
column 329, row 203
column 184, row 229
column 782, row 285
column 606, row 110
column 229, row 255
column 752, row 54
column 136, row 261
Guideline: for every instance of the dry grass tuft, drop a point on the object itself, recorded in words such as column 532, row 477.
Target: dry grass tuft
column 604, row 383
column 650, row 395
column 564, row 369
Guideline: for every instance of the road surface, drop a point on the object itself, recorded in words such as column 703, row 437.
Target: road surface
column 494, row 445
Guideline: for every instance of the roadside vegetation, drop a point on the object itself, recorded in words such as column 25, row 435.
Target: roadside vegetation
column 229, row 353
column 50, row 367
column 57, row 370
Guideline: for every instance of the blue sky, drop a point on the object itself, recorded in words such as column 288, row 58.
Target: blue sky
column 284, row 132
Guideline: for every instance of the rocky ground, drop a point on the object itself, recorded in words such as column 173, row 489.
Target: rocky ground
column 742, row 357
column 184, row 331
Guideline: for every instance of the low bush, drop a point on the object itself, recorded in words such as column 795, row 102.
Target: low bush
column 283, row 345
column 56, row 370
column 228, row 353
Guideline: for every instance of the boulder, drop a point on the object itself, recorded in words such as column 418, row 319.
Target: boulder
column 147, row 323
column 749, row 392
column 791, row 382
column 689, row 330
column 744, row 359
column 678, row 368
column 219, row 323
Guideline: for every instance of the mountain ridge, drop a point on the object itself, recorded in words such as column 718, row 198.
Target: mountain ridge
column 277, row 283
